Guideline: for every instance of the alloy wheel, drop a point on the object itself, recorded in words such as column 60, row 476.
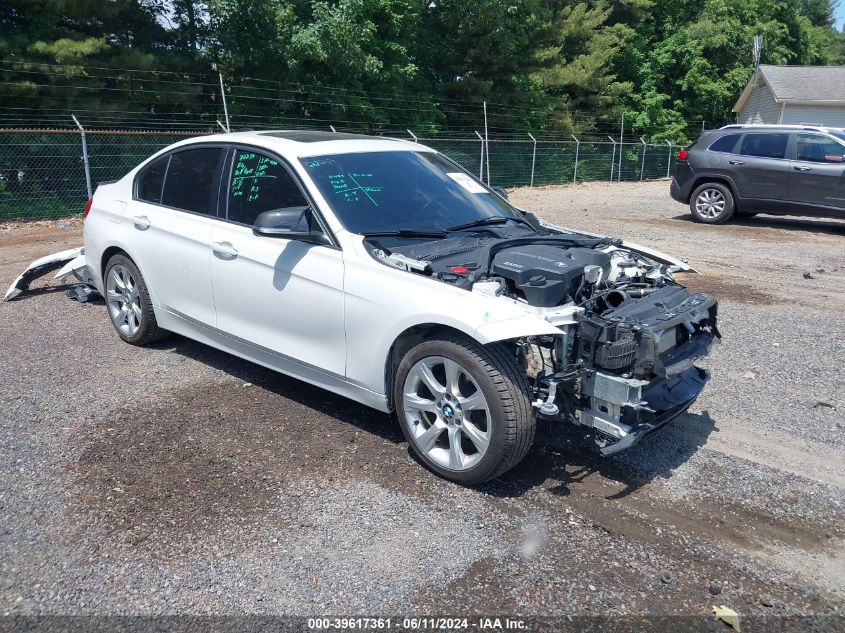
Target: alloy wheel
column 123, row 300
column 710, row 204
column 447, row 413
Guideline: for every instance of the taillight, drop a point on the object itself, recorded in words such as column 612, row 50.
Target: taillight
column 683, row 154
column 87, row 208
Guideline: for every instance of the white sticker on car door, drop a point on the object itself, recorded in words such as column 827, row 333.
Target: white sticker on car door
column 466, row 182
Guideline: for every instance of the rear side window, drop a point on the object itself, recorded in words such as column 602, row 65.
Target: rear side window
column 192, row 178
column 152, row 180
column 819, row 149
column 259, row 183
column 764, row 145
column 726, row 143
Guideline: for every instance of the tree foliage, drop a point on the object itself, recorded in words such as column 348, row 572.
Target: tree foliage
column 553, row 66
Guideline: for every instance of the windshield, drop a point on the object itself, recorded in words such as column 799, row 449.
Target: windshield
column 411, row 191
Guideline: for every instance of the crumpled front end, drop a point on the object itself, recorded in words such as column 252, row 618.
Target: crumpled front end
column 622, row 360
column 630, row 369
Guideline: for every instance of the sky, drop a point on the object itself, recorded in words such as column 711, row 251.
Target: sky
column 839, row 12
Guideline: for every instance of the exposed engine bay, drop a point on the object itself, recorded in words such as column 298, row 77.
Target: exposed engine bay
column 623, row 364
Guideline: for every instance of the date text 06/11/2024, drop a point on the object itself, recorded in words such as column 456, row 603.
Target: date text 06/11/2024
column 416, row 623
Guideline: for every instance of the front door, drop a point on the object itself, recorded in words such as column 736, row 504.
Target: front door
column 818, row 173
column 173, row 213
column 282, row 295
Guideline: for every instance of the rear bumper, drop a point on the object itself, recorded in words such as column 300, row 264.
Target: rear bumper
column 676, row 395
column 677, row 192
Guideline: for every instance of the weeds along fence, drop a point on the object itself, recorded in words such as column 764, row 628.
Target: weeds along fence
column 45, row 173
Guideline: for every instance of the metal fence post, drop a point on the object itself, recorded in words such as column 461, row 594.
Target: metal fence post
column 481, row 163
column 413, row 136
column 84, row 155
column 225, row 107
column 487, row 143
column 669, row 161
column 577, row 148
column 613, row 158
column 642, row 163
column 533, row 158
column 621, row 147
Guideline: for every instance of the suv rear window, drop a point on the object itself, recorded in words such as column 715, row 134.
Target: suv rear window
column 726, row 143
column 764, row 145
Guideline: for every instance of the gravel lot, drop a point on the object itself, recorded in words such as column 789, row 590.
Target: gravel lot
column 175, row 479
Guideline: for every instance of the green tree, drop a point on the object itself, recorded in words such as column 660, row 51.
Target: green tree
column 693, row 58
column 576, row 70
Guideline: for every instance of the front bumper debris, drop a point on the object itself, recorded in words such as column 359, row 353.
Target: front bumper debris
column 672, row 398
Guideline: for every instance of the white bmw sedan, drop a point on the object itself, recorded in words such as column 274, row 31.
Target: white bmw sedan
column 382, row 271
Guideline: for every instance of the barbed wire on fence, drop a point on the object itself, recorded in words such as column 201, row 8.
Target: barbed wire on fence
column 150, row 99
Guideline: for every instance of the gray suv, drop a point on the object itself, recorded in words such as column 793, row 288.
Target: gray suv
column 750, row 169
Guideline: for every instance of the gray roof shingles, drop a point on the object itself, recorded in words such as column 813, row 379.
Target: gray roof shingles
column 806, row 83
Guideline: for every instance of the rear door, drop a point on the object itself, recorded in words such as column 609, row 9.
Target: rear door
column 173, row 213
column 818, row 171
column 760, row 168
column 282, row 295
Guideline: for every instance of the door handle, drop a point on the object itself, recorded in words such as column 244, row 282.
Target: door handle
column 224, row 248
column 798, row 168
column 141, row 222
column 736, row 162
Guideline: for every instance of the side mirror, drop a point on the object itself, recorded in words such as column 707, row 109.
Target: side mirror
column 501, row 191
column 291, row 223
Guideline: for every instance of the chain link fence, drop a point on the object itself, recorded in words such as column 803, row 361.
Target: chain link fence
column 43, row 172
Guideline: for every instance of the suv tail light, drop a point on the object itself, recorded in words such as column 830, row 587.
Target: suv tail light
column 683, row 154
column 87, row 208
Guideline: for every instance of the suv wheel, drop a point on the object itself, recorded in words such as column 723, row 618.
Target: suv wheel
column 464, row 408
column 128, row 302
column 712, row 203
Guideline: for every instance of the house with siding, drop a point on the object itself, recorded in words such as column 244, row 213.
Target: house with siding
column 807, row 95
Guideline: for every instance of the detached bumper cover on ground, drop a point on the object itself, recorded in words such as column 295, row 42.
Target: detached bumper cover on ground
column 69, row 262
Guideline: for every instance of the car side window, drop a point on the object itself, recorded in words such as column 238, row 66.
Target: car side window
column 764, row 145
column 726, row 143
column 260, row 183
column 191, row 180
column 815, row 148
column 151, row 181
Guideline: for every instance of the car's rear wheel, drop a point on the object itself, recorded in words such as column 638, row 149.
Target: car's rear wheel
column 128, row 303
column 464, row 408
column 712, row 203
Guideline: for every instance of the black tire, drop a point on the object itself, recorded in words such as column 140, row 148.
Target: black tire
column 498, row 375
column 722, row 208
column 148, row 330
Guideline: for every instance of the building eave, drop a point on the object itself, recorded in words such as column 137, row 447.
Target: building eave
column 824, row 104
column 753, row 82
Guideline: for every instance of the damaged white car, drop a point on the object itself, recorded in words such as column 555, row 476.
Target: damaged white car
column 380, row 270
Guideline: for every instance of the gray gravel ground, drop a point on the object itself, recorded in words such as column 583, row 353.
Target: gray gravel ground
column 175, row 479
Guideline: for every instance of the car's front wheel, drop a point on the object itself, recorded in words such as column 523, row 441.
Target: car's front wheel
column 129, row 304
column 464, row 408
column 712, row 203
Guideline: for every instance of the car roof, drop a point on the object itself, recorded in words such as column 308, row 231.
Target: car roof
column 778, row 126
column 303, row 143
